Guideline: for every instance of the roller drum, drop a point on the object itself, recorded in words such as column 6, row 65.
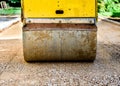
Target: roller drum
column 59, row 42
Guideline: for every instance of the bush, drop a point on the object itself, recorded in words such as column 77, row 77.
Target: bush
column 109, row 6
column 14, row 3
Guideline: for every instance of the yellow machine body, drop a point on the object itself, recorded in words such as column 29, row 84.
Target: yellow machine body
column 59, row 8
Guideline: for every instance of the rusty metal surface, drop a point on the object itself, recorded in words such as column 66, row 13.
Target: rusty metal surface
column 59, row 44
column 53, row 26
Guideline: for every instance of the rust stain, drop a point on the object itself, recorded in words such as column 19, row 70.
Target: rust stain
column 65, row 26
column 93, row 40
column 42, row 35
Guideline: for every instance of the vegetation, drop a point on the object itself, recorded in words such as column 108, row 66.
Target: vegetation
column 13, row 8
column 109, row 7
column 14, row 1
column 10, row 11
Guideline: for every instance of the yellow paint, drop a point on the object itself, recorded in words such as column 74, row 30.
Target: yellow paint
column 47, row 8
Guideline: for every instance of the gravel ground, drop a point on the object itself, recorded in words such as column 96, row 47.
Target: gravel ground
column 104, row 71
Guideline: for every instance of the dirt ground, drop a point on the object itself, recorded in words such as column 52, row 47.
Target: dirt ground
column 104, row 71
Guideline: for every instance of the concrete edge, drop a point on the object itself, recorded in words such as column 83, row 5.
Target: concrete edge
column 4, row 25
column 108, row 20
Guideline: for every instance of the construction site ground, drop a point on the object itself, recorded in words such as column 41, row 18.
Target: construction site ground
column 104, row 71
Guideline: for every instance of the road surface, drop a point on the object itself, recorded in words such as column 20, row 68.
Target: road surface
column 104, row 71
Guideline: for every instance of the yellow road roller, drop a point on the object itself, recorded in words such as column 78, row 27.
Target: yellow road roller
column 59, row 30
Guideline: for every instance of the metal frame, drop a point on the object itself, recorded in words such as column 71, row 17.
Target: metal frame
column 60, row 20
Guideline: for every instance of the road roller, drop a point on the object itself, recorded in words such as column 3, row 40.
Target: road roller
column 59, row 30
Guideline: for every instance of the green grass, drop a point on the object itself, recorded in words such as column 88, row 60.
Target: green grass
column 10, row 11
column 108, row 14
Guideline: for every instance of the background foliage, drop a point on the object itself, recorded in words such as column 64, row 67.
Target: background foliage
column 14, row 1
column 109, row 7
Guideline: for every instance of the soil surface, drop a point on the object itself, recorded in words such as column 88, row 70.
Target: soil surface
column 104, row 71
